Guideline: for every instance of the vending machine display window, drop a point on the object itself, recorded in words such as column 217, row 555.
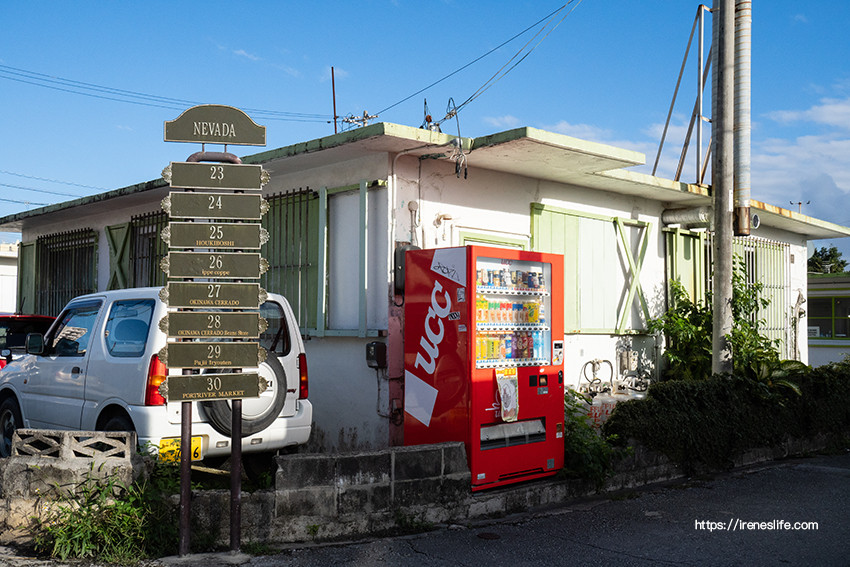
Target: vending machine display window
column 511, row 309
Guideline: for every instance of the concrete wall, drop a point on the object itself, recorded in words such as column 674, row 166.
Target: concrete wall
column 324, row 496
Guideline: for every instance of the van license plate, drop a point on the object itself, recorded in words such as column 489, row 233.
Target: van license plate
column 169, row 449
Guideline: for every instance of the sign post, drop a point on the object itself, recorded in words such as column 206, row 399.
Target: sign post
column 207, row 240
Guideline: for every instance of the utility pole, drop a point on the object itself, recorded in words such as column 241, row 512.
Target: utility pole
column 723, row 78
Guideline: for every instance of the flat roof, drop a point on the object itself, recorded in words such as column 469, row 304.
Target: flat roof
column 527, row 152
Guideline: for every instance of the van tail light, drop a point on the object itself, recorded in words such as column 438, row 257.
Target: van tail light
column 303, row 381
column 157, row 373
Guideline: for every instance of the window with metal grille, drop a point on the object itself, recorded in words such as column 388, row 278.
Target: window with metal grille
column 292, row 252
column 769, row 263
column 147, row 249
column 67, row 267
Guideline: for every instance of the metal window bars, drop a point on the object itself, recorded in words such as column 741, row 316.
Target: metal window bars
column 67, row 267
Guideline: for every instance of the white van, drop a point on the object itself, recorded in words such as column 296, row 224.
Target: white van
column 97, row 369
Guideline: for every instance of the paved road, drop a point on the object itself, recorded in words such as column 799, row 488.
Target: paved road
column 702, row 522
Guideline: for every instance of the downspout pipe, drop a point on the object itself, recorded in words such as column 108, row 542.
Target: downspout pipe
column 743, row 71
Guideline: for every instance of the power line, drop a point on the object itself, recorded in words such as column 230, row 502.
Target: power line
column 38, row 190
column 54, row 180
column 499, row 74
column 133, row 97
column 532, row 26
column 24, row 202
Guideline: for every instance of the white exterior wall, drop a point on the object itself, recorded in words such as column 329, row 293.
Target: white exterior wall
column 346, row 394
column 498, row 205
column 8, row 277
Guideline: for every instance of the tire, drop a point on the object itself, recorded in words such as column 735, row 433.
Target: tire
column 118, row 422
column 10, row 421
column 221, row 418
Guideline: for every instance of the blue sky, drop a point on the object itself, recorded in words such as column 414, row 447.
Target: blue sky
column 606, row 73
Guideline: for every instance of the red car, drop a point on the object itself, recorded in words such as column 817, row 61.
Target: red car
column 14, row 330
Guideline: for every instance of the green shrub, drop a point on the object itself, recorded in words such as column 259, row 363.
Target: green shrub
column 688, row 328
column 588, row 454
column 709, row 423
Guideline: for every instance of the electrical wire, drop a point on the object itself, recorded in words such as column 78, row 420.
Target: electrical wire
column 38, row 190
column 500, row 74
column 23, row 202
column 532, row 26
column 133, row 97
column 54, row 180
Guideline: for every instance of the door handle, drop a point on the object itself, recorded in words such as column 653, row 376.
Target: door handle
column 75, row 370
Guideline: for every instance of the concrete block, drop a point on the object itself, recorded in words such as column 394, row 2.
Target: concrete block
column 454, row 459
column 317, row 501
column 363, row 468
column 455, row 487
column 421, row 461
column 305, row 471
column 416, row 492
column 364, row 499
column 482, row 507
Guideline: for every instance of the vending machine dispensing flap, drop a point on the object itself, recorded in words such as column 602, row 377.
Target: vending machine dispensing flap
column 399, row 266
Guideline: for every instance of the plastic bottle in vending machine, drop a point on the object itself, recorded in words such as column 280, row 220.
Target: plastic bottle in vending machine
column 538, row 345
column 541, row 313
column 508, row 347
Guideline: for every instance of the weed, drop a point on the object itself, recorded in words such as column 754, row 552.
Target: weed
column 588, row 455
column 410, row 524
column 313, row 530
column 259, row 548
column 96, row 519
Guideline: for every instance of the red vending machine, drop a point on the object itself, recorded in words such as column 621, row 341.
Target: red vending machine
column 483, row 358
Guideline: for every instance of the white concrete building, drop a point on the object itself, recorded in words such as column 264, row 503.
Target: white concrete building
column 8, row 277
column 341, row 205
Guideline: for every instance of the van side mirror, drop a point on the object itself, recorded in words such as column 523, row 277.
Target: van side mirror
column 6, row 354
column 35, row 343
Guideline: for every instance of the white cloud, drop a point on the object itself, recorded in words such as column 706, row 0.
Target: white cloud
column 831, row 112
column 507, row 121
column 801, row 18
column 243, row 53
column 581, row 131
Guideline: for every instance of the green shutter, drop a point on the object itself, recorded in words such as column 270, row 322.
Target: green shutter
column 26, row 277
column 686, row 261
column 118, row 236
column 591, row 244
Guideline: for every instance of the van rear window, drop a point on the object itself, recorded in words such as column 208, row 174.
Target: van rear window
column 128, row 326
